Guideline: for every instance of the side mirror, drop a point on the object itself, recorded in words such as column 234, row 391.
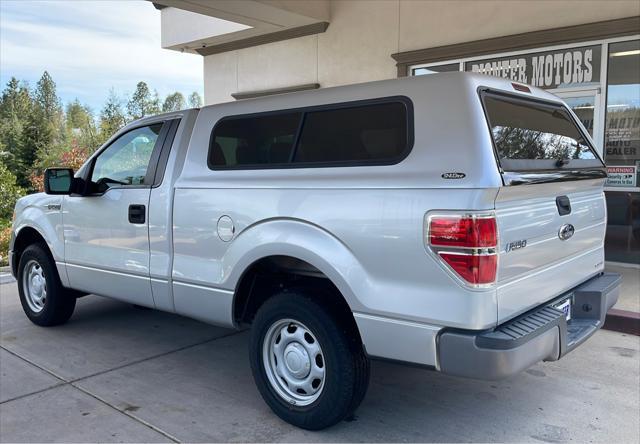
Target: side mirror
column 58, row 180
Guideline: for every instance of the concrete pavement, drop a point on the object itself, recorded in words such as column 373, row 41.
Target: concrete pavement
column 630, row 290
column 116, row 373
column 5, row 276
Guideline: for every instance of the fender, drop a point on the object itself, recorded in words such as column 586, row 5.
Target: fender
column 43, row 214
column 304, row 241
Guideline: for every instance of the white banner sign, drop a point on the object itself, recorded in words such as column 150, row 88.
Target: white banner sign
column 551, row 69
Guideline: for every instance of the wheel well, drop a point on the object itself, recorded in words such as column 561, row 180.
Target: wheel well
column 274, row 274
column 27, row 236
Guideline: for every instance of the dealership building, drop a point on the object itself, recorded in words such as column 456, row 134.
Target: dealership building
column 587, row 52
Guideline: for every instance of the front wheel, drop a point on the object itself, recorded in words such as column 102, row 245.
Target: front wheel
column 308, row 368
column 44, row 300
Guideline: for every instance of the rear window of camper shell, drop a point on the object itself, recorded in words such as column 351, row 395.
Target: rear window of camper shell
column 533, row 134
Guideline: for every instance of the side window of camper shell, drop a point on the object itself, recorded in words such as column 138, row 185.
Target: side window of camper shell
column 348, row 134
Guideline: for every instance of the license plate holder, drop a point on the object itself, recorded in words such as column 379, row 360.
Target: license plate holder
column 565, row 306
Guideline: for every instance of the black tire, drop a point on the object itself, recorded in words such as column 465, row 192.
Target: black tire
column 346, row 365
column 59, row 302
column 362, row 380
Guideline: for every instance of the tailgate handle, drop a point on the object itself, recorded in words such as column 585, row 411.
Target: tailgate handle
column 564, row 205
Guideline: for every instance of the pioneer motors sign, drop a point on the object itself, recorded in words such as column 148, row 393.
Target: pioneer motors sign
column 553, row 69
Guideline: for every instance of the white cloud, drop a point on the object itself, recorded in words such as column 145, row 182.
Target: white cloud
column 89, row 46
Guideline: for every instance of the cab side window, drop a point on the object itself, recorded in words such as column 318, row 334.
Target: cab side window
column 126, row 160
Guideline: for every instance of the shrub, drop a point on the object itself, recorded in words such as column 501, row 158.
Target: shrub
column 5, row 237
column 73, row 158
column 9, row 192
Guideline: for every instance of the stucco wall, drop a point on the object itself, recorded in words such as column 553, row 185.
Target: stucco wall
column 363, row 34
column 437, row 23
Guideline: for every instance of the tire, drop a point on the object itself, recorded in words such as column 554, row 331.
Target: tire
column 288, row 323
column 44, row 300
column 362, row 382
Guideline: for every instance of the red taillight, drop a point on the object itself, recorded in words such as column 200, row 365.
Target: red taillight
column 467, row 244
column 462, row 231
column 474, row 269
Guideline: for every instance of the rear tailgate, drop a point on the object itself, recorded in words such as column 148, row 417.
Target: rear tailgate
column 551, row 212
column 535, row 264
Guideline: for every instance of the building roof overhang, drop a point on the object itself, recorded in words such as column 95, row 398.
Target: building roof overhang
column 213, row 26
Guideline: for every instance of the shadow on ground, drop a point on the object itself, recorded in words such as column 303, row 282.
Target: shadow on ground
column 117, row 373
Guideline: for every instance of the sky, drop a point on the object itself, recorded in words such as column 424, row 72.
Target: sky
column 89, row 47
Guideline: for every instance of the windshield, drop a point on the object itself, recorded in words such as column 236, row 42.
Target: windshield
column 530, row 135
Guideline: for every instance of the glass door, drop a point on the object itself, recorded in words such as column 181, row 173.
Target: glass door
column 586, row 104
column 622, row 153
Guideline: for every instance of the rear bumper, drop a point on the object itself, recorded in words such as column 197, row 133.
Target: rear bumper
column 542, row 334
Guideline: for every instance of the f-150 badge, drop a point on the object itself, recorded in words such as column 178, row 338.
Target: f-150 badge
column 516, row 245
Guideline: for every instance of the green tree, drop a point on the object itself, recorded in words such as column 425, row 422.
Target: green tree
column 155, row 106
column 15, row 99
column 38, row 136
column 45, row 132
column 112, row 116
column 76, row 115
column 15, row 108
column 143, row 102
column 47, row 98
column 173, row 102
column 195, row 101
column 81, row 125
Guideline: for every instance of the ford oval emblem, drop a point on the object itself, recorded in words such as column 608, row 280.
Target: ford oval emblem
column 566, row 231
column 453, row 176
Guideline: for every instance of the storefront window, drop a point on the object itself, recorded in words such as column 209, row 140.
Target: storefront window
column 573, row 74
column 450, row 67
column 563, row 68
column 622, row 152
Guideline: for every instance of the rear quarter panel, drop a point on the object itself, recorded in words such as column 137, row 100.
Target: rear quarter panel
column 369, row 242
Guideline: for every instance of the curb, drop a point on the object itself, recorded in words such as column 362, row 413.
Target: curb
column 623, row 321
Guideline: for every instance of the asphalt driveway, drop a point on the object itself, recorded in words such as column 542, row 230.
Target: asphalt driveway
column 117, row 373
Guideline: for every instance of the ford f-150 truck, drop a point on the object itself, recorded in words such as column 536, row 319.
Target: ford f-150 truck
column 454, row 221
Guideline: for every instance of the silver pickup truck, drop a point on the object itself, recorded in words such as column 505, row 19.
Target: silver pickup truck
column 454, row 221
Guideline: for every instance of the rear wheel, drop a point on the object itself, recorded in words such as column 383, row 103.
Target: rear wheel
column 307, row 367
column 44, row 300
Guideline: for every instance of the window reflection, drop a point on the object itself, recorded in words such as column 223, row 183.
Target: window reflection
column 125, row 161
column 526, row 130
column 622, row 152
column 622, row 134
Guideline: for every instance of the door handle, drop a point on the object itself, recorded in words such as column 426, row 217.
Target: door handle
column 564, row 205
column 137, row 213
